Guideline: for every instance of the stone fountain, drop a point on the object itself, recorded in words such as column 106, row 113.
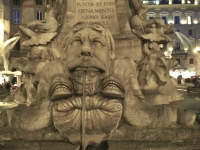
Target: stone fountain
column 95, row 78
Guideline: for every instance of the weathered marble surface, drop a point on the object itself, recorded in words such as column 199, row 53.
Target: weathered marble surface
column 76, row 85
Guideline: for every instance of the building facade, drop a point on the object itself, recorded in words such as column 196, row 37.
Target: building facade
column 12, row 14
column 185, row 44
column 185, row 15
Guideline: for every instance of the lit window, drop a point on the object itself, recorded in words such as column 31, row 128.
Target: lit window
column 39, row 15
column 191, row 61
column 165, row 19
column 151, row 2
column 190, row 1
column 38, row 2
column 189, row 16
column 16, row 2
column 16, row 16
column 177, row 16
column 189, row 19
column 176, row 19
column 190, row 32
column 164, row 16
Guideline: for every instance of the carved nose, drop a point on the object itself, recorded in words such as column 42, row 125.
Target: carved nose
column 86, row 51
column 85, row 54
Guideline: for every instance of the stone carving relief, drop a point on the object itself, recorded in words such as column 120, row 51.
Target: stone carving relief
column 77, row 85
column 154, row 78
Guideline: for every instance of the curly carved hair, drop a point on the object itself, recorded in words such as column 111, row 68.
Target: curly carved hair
column 94, row 26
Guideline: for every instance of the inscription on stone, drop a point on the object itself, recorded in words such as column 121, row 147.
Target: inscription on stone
column 103, row 11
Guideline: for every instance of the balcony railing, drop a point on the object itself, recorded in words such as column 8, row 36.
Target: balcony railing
column 179, row 52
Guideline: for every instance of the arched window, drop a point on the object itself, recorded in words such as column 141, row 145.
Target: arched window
column 151, row 15
column 189, row 16
column 177, row 16
column 164, row 16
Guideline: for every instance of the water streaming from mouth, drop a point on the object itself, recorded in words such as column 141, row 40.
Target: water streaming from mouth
column 83, row 140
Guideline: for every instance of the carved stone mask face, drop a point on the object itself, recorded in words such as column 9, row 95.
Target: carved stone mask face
column 87, row 58
column 87, row 51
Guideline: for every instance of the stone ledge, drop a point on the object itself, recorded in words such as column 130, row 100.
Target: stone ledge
column 47, row 134
column 176, row 133
column 155, row 145
column 124, row 138
column 36, row 145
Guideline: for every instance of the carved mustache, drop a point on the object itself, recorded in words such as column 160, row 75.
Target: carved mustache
column 92, row 103
column 86, row 62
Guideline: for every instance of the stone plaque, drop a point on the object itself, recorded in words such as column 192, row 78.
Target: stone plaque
column 103, row 11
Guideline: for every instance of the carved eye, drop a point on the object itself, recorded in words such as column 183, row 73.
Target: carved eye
column 76, row 42
column 97, row 44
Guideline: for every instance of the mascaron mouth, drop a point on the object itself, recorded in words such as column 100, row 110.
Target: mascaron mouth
column 92, row 74
column 61, row 90
column 90, row 71
column 113, row 86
